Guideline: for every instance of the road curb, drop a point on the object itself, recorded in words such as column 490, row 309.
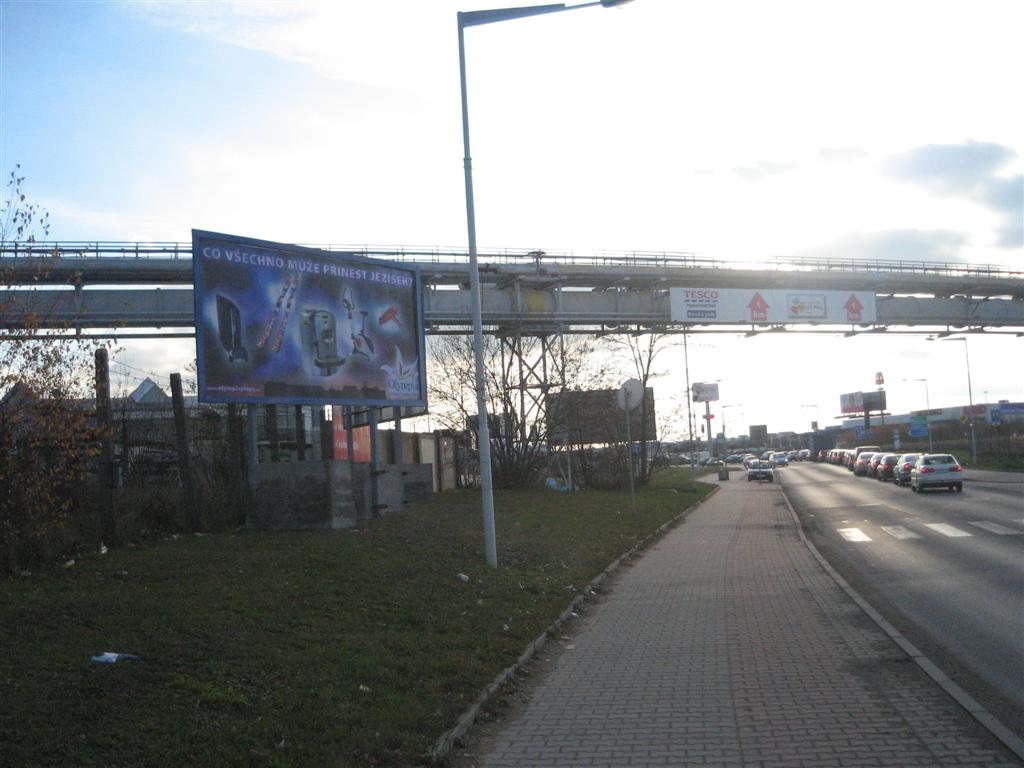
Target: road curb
column 443, row 746
column 984, row 718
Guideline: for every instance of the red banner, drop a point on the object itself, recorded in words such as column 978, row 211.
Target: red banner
column 360, row 441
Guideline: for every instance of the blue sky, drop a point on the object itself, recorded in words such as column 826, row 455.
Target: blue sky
column 735, row 129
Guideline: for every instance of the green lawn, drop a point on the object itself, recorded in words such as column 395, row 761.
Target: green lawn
column 303, row 649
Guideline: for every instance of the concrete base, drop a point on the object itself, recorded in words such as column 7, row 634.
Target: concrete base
column 306, row 495
column 399, row 485
column 317, row 495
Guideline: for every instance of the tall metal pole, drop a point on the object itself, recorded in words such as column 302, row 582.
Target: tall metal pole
column 483, row 431
column 928, row 414
column 970, row 400
column 689, row 414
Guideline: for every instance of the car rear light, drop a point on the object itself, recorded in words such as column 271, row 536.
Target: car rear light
column 907, row 466
column 925, row 470
column 955, row 469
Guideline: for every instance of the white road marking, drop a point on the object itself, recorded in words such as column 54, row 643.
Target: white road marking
column 899, row 532
column 947, row 530
column 1002, row 530
column 853, row 534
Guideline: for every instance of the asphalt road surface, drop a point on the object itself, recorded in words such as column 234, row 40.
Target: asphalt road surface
column 947, row 569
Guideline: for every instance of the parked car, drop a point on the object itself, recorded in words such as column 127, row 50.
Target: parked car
column 903, row 467
column 760, row 470
column 780, row 459
column 937, row 469
column 860, row 464
column 886, row 469
column 733, row 458
column 873, row 463
column 822, row 456
column 804, row 454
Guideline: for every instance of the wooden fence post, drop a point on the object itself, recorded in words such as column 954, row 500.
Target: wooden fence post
column 300, row 434
column 184, row 465
column 103, row 422
column 275, row 443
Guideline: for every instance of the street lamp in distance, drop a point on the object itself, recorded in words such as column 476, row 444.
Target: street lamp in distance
column 928, row 411
column 970, row 393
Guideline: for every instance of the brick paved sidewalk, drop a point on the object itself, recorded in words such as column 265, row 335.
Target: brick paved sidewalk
column 728, row 645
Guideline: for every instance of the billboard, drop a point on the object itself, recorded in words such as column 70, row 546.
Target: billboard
column 280, row 323
column 759, row 434
column 852, row 402
column 746, row 306
column 704, row 392
column 593, row 416
column 859, row 402
column 874, row 400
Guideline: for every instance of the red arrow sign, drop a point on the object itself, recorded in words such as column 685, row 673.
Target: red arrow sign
column 853, row 308
column 758, row 308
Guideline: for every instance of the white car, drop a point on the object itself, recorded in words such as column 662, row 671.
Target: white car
column 937, row 469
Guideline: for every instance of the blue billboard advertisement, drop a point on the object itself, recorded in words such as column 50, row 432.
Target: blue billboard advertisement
column 280, row 323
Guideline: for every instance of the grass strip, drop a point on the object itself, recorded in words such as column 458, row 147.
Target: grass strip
column 299, row 649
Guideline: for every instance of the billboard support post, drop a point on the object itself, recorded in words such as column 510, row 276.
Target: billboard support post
column 397, row 456
column 374, row 463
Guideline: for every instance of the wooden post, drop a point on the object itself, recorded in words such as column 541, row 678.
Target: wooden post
column 252, row 444
column 103, row 423
column 234, row 445
column 375, row 470
column 300, row 434
column 275, row 443
column 350, row 443
column 184, row 465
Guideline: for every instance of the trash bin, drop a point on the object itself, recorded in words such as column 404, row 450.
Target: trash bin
column 723, row 473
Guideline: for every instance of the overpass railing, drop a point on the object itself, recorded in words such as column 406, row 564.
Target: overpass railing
column 523, row 256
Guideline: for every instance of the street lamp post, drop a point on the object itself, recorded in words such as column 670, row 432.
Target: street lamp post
column 928, row 411
column 725, row 435
column 970, row 399
column 474, row 19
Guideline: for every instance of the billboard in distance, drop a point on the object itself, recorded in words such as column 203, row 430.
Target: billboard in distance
column 759, row 434
column 704, row 392
column 279, row 323
column 852, row 402
column 874, row 400
column 859, row 402
column 592, row 417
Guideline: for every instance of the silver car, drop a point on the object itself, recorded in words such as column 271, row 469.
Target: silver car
column 937, row 469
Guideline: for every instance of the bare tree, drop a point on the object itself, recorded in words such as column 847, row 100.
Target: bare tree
column 515, row 388
column 45, row 440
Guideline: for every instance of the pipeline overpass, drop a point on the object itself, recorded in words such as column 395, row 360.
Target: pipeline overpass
column 126, row 290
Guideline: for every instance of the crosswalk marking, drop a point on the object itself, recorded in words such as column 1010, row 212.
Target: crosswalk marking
column 899, row 532
column 853, row 534
column 905, row 534
column 1002, row 530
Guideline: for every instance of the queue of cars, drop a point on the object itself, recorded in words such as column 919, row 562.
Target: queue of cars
column 918, row 470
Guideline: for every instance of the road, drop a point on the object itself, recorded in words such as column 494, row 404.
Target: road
column 947, row 569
